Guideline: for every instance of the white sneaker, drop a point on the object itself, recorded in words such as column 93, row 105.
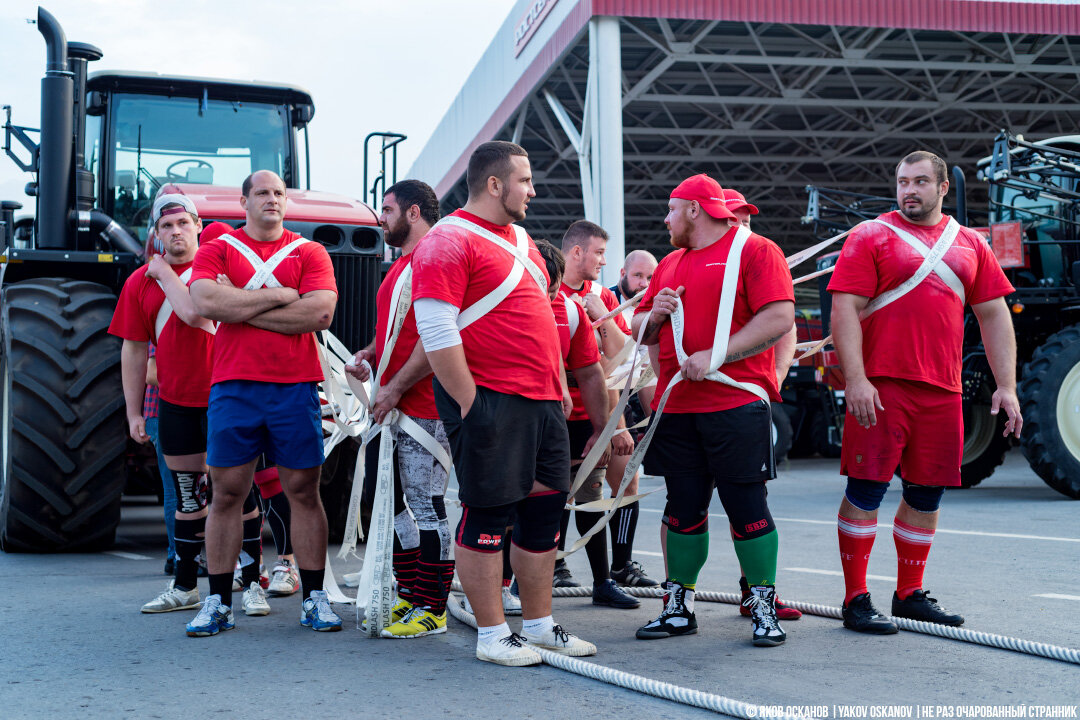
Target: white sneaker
column 351, row 579
column 173, row 599
column 254, row 601
column 558, row 640
column 237, row 578
column 511, row 602
column 508, row 650
column 285, row 580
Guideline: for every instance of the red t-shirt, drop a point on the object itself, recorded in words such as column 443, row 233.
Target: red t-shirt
column 606, row 296
column 763, row 278
column 513, row 349
column 183, row 352
column 578, row 350
column 920, row 336
column 419, row 400
column 245, row 352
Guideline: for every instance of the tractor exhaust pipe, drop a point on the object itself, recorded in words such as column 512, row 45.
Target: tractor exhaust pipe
column 55, row 170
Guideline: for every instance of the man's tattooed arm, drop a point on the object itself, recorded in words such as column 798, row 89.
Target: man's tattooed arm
column 754, row 350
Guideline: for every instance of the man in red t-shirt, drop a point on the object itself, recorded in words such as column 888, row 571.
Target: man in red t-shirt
column 270, row 289
column 480, row 294
column 715, row 431
column 590, row 410
column 422, row 562
column 154, row 307
column 584, row 245
column 900, row 339
column 784, row 350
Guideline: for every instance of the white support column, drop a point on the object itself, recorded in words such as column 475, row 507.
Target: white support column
column 605, row 60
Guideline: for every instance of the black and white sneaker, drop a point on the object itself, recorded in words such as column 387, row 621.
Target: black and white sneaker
column 762, row 605
column 676, row 618
column 920, row 606
column 633, row 575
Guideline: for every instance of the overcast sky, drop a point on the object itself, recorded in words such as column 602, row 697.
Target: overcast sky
column 392, row 66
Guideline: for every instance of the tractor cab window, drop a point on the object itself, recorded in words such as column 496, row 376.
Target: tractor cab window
column 157, row 140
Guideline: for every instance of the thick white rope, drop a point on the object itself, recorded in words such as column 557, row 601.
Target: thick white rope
column 1002, row 642
column 637, row 683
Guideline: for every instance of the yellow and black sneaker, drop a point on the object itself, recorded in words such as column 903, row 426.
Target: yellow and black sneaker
column 401, row 609
column 417, row 623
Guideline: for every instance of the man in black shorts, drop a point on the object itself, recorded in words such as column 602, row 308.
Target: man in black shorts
column 493, row 346
column 714, row 431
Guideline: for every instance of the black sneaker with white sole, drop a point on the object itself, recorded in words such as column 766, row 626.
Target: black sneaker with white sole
column 920, row 606
column 675, row 619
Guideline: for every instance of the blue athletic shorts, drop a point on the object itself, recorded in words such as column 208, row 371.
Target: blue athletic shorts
column 247, row 418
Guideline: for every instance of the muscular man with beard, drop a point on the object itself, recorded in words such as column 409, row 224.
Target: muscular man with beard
column 900, row 339
column 714, row 431
column 422, row 561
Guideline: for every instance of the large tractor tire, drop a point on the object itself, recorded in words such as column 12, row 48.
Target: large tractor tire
column 985, row 444
column 1050, row 404
column 63, row 432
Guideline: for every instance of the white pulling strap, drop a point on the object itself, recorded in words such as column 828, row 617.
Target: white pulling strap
column 264, row 271
column 572, row 316
column 522, row 263
column 166, row 311
column 932, row 262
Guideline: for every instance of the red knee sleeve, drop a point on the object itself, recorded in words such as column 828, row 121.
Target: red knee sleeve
column 268, row 482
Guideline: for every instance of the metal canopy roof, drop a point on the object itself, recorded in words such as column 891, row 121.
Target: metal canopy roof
column 768, row 107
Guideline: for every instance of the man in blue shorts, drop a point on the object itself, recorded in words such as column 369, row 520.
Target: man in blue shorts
column 271, row 290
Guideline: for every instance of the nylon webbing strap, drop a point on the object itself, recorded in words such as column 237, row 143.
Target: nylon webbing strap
column 723, row 322
column 522, row 263
column 932, row 263
column 264, row 271
column 166, row 311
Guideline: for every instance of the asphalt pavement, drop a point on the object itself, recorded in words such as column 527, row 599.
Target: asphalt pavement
column 1006, row 556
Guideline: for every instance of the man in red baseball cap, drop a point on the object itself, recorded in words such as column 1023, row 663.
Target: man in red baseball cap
column 736, row 203
column 712, row 415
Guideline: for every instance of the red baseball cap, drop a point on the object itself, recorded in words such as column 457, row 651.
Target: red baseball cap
column 213, row 231
column 735, row 200
column 708, row 194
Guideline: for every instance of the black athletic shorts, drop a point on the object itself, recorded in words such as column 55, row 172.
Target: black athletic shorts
column 733, row 445
column 504, row 444
column 181, row 429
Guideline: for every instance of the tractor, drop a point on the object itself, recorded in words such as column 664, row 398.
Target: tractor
column 108, row 143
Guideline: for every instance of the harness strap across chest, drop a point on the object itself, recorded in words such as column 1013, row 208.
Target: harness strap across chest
column 522, row 263
column 264, row 270
column 166, row 311
column 932, row 263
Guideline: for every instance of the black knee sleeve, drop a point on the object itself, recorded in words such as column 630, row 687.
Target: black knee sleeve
column 865, row 494
column 251, row 502
column 538, row 519
column 923, row 498
column 482, row 529
column 191, row 490
column 687, row 508
column 746, row 509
